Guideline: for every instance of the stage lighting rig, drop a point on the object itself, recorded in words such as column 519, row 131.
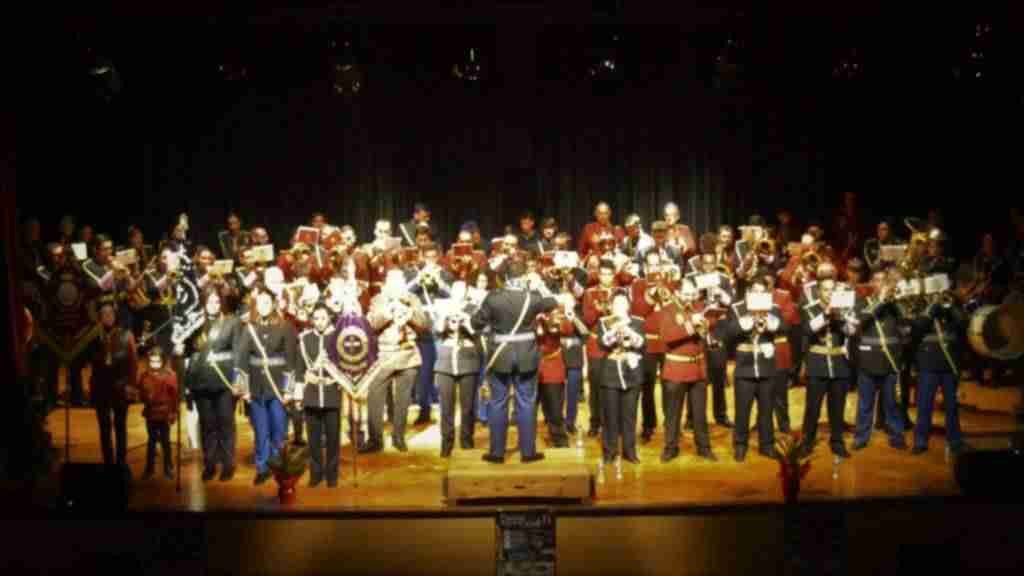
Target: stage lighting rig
column 104, row 78
column 849, row 65
column 606, row 60
column 469, row 70
column 973, row 60
column 346, row 69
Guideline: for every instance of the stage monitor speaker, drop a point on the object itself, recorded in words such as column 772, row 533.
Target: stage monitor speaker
column 94, row 487
column 990, row 473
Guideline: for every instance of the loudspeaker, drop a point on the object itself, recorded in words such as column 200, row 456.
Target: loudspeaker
column 990, row 473
column 94, row 487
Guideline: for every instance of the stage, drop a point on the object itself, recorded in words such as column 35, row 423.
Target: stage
column 412, row 481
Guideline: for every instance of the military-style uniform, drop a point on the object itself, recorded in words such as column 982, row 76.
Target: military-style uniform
column 785, row 342
column 596, row 301
column 939, row 338
column 683, row 378
column 574, row 357
column 873, row 251
column 621, row 379
column 321, row 402
column 717, row 356
column 265, row 363
column 100, row 278
column 878, row 354
column 231, row 246
column 552, row 375
column 645, row 304
column 754, row 374
column 514, row 362
column 399, row 361
column 828, row 373
column 456, row 370
column 425, row 393
column 208, row 381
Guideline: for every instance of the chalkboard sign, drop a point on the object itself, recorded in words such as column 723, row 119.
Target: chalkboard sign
column 526, row 543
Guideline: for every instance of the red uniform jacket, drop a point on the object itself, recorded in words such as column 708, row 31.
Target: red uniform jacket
column 591, row 315
column 647, row 308
column 552, row 365
column 159, row 395
column 791, row 317
column 593, row 229
column 684, row 359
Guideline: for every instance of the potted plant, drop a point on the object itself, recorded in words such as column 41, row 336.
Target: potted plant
column 793, row 464
column 288, row 466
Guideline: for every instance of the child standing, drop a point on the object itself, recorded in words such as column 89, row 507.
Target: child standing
column 159, row 387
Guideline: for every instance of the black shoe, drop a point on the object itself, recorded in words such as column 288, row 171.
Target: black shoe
column 770, row 453
column 726, row 423
column 169, row 473
column 918, row 450
column 148, row 474
column 422, row 420
column 298, row 442
column 370, row 448
column 466, row 444
column 332, row 482
column 446, row 450
column 785, row 429
column 209, row 473
column 740, row 454
column 669, row 455
column 707, row 454
column 646, row 436
column 493, row 459
column 227, row 474
column 898, row 445
column 261, row 478
column 632, row 459
column 399, row 444
column 688, row 425
column 594, row 432
column 534, row 458
column 806, row 451
column 571, row 429
column 859, row 445
column 842, row 452
column 315, row 481
column 880, row 425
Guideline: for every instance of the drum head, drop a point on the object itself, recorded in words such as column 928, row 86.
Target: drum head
column 998, row 332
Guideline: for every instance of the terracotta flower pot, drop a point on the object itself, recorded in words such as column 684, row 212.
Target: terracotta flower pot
column 790, row 477
column 286, row 488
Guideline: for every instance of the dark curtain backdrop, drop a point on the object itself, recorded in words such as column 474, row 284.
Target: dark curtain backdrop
column 278, row 158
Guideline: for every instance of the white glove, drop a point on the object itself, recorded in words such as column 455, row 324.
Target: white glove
column 696, row 319
column 773, row 323
column 768, row 350
column 179, row 349
column 817, row 323
column 724, row 298
column 747, row 323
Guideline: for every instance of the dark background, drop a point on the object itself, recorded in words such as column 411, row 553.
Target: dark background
column 537, row 133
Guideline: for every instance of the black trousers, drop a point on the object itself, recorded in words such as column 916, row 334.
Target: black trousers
column 652, row 363
column 158, row 432
column 674, row 395
column 780, row 399
column 112, row 411
column 464, row 388
column 323, row 460
column 903, row 398
column 746, row 390
column 595, row 369
column 717, row 364
column 817, row 389
column 217, row 426
column 551, row 398
column 620, row 421
column 51, row 373
column 298, row 418
column 404, row 380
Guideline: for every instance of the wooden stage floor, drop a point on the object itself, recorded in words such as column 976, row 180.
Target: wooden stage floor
column 392, row 481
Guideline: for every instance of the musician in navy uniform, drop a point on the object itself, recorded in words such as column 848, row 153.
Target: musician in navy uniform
column 109, row 278
column 428, row 283
column 510, row 313
column 456, row 367
column 753, row 333
column 265, row 364
column 878, row 357
column 622, row 337
column 208, row 385
column 717, row 352
column 320, row 396
column 939, row 338
column 828, row 367
column 233, row 241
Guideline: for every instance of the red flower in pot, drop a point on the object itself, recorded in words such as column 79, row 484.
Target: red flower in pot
column 793, row 464
column 288, row 466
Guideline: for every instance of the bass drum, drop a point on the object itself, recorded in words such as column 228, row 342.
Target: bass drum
column 998, row 331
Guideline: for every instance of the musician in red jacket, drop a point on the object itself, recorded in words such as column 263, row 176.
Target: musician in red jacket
column 684, row 376
column 602, row 223
column 647, row 304
column 596, row 305
column 551, row 328
column 159, row 388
